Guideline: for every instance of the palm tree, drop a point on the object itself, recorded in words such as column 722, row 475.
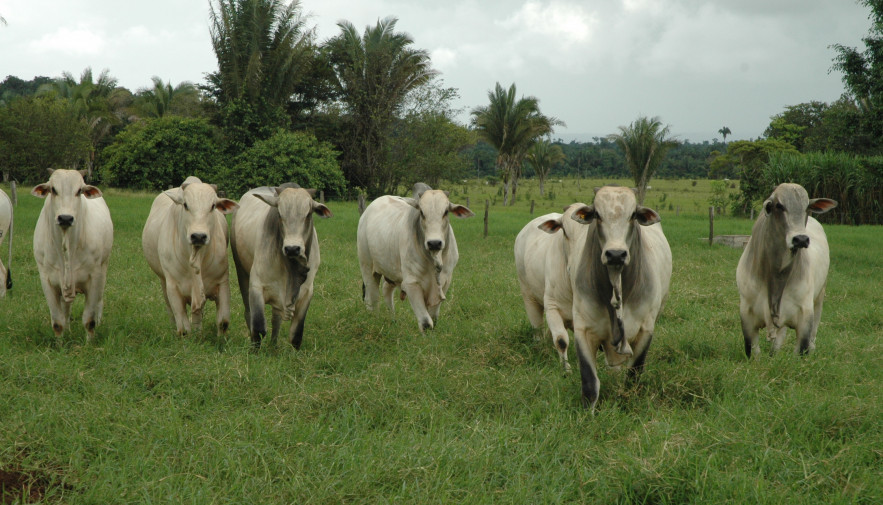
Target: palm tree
column 724, row 132
column 263, row 50
column 542, row 156
column 511, row 126
column 157, row 101
column 90, row 100
column 374, row 73
column 645, row 144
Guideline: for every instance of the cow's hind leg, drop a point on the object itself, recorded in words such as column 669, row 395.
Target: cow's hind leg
column 640, row 348
column 776, row 336
column 816, row 318
column 588, row 368
column 389, row 297
column 222, row 320
column 296, row 333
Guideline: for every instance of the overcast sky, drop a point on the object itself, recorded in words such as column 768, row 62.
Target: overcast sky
column 595, row 64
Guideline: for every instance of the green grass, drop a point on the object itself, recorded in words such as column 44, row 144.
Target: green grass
column 477, row 411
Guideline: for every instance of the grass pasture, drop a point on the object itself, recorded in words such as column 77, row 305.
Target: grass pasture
column 477, row 411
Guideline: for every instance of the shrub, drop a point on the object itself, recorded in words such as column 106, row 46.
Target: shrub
column 287, row 157
column 154, row 154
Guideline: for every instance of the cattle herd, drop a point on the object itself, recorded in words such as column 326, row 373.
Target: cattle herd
column 601, row 270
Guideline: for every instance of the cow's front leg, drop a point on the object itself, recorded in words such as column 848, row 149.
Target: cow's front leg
column 749, row 334
column 275, row 325
column 560, row 339
column 56, row 307
column 434, row 312
column 586, row 350
column 94, row 304
column 179, row 308
column 805, row 333
column 418, row 305
column 258, row 324
column 296, row 332
column 777, row 337
column 640, row 347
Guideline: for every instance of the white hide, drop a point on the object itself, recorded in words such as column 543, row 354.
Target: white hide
column 6, row 214
column 72, row 259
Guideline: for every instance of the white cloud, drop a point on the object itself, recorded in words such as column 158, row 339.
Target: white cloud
column 78, row 41
column 443, row 58
column 564, row 22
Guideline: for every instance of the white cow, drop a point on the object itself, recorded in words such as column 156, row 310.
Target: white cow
column 541, row 262
column 784, row 269
column 185, row 242
column 72, row 242
column 620, row 270
column 409, row 242
column 5, row 234
column 276, row 253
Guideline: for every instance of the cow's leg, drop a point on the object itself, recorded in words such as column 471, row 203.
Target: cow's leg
column 418, row 305
column 94, row 304
column 258, row 323
column 586, row 350
column 165, row 296
column 223, row 306
column 275, row 325
column 805, row 330
column 389, row 297
column 749, row 334
column 639, row 347
column 179, row 308
column 816, row 317
column 434, row 312
column 296, row 332
column 370, row 286
column 243, row 276
column 56, row 307
column 776, row 336
column 558, row 331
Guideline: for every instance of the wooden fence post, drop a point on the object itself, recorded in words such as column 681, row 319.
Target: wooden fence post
column 710, row 225
column 531, row 207
column 752, row 214
column 361, row 203
column 487, row 206
column 322, row 197
column 678, row 211
column 467, row 202
column 14, row 193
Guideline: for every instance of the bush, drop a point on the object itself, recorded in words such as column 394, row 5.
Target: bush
column 154, row 154
column 287, row 157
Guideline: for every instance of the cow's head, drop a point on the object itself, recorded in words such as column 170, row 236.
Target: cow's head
column 616, row 214
column 296, row 209
column 786, row 211
column 198, row 202
column 435, row 209
column 65, row 190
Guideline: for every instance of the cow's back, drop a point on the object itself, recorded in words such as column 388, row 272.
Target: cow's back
column 383, row 236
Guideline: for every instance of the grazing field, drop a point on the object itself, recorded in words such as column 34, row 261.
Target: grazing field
column 476, row 411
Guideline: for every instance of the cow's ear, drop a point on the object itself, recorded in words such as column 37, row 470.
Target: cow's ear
column 821, row 205
column 321, row 210
column 90, row 191
column 768, row 207
column 646, row 216
column 584, row 215
column 226, row 205
column 270, row 199
column 50, row 170
column 312, row 192
column 83, row 173
column 176, row 194
column 42, row 190
column 550, row 226
column 460, row 211
column 214, row 187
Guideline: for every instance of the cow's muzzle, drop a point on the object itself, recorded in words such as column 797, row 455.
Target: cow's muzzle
column 434, row 245
column 65, row 220
column 292, row 251
column 616, row 257
column 198, row 239
column 799, row 242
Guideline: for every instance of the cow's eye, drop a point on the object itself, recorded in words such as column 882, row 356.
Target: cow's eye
column 779, row 206
column 446, row 213
column 54, row 191
column 422, row 215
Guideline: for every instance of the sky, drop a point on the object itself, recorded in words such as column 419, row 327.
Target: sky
column 698, row 65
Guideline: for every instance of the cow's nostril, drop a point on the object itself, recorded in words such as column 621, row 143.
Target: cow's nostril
column 65, row 220
column 434, row 245
column 292, row 250
column 616, row 256
column 198, row 238
column 800, row 242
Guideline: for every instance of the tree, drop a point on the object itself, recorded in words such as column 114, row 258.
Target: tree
column 863, row 73
column 91, row 101
column 511, row 126
column 374, row 73
column 644, row 143
column 162, row 98
column 724, row 132
column 38, row 133
column 542, row 156
column 750, row 158
column 155, row 154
